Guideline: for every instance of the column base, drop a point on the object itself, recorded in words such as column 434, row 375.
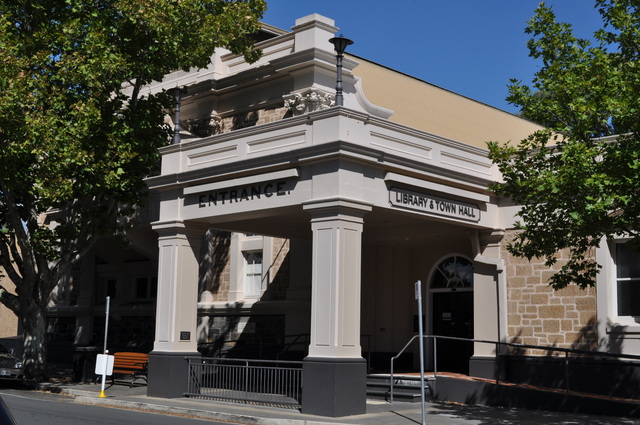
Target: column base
column 334, row 387
column 168, row 374
column 484, row 367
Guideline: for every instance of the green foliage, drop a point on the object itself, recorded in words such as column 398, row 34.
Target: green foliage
column 72, row 143
column 576, row 185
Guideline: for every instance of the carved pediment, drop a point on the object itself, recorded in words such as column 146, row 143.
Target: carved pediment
column 204, row 126
column 308, row 101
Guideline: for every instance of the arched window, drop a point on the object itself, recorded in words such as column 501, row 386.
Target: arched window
column 453, row 272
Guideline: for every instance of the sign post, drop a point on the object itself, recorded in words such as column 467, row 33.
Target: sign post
column 104, row 362
column 104, row 367
column 418, row 288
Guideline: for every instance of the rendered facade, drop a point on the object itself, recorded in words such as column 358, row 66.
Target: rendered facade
column 279, row 215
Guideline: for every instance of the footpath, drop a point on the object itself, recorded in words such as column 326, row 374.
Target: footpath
column 377, row 412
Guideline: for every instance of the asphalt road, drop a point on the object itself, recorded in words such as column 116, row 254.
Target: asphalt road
column 37, row 408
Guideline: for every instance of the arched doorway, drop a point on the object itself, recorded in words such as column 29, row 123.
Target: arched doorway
column 451, row 290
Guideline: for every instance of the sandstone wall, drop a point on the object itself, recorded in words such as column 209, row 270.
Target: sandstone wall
column 8, row 320
column 539, row 315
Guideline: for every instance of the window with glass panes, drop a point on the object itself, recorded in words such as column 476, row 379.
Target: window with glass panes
column 252, row 273
column 146, row 287
column 627, row 260
column 454, row 272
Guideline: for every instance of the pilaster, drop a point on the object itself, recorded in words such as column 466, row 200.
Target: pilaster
column 176, row 307
column 334, row 371
column 490, row 302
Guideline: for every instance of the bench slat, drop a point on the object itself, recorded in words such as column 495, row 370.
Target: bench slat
column 129, row 363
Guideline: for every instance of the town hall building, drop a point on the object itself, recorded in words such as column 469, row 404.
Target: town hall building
column 279, row 214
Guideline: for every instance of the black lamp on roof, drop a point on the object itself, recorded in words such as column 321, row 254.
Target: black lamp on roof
column 177, row 93
column 340, row 44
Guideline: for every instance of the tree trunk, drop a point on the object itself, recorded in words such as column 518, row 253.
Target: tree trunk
column 35, row 344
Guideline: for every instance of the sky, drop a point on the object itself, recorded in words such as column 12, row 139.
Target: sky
column 470, row 47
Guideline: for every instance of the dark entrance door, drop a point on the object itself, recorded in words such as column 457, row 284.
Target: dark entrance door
column 453, row 316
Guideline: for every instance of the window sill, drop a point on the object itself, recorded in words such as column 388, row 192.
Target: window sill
column 624, row 325
column 244, row 304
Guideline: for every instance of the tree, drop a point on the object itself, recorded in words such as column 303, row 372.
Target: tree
column 578, row 181
column 73, row 146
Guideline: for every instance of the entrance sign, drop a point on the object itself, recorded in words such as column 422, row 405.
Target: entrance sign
column 239, row 194
column 243, row 189
column 433, row 205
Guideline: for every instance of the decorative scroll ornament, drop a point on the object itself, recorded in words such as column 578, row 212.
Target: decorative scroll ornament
column 309, row 101
column 204, row 126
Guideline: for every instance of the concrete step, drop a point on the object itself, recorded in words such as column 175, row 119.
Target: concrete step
column 405, row 388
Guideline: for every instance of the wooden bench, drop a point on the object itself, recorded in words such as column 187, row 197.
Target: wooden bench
column 132, row 365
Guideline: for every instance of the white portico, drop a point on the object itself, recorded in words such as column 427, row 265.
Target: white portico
column 344, row 176
column 366, row 193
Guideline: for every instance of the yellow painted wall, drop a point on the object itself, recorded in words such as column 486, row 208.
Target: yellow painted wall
column 438, row 111
column 8, row 320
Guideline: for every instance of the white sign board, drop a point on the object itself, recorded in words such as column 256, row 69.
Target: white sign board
column 104, row 364
column 433, row 205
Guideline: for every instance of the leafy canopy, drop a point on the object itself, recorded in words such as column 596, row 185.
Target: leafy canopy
column 579, row 180
column 72, row 143
column 70, row 139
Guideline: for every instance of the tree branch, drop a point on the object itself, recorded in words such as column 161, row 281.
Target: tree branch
column 8, row 265
column 10, row 300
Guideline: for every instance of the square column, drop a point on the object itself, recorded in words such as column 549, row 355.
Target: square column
column 334, row 373
column 489, row 304
column 176, row 311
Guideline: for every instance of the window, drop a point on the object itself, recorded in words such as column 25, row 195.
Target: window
column 453, row 273
column 252, row 273
column 146, row 288
column 112, row 288
column 627, row 264
column 105, row 287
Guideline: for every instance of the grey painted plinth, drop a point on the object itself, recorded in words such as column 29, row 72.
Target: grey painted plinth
column 484, row 367
column 334, row 387
column 168, row 373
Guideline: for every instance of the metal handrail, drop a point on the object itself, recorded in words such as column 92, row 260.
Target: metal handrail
column 498, row 345
column 397, row 356
column 271, row 382
column 296, row 341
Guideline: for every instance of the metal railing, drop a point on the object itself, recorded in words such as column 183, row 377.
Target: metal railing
column 299, row 340
column 498, row 353
column 269, row 382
